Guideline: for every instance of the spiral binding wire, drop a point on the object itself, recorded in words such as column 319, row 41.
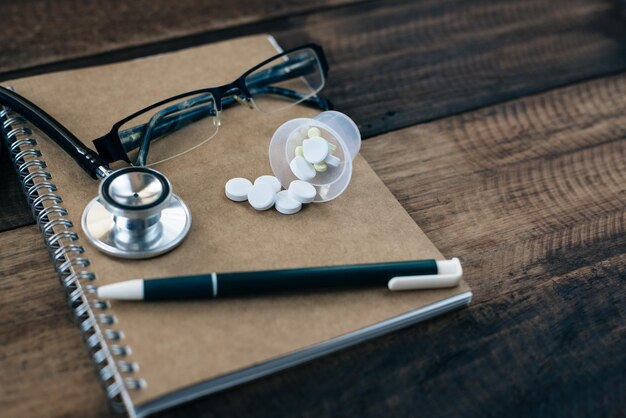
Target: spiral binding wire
column 91, row 314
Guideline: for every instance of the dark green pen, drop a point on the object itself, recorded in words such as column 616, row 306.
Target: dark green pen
column 402, row 275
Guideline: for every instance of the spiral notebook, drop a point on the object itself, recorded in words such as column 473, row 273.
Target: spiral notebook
column 150, row 356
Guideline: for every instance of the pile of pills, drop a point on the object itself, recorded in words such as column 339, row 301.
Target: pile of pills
column 313, row 156
column 266, row 192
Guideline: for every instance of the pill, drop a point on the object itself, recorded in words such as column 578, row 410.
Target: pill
column 237, row 189
column 302, row 169
column 332, row 147
column 321, row 167
column 271, row 180
column 285, row 204
column 302, row 191
column 332, row 160
column 315, row 149
column 299, row 152
column 262, row 196
column 313, row 132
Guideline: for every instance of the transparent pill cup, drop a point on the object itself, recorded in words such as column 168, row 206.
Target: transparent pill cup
column 337, row 129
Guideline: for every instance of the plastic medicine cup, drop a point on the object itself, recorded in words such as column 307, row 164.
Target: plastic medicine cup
column 336, row 128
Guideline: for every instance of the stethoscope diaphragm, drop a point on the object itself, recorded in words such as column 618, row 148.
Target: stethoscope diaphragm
column 136, row 215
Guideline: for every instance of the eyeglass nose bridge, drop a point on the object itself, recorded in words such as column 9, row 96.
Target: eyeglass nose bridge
column 238, row 92
column 244, row 101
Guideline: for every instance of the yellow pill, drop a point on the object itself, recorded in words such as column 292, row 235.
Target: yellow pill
column 299, row 151
column 313, row 132
column 332, row 147
column 321, row 167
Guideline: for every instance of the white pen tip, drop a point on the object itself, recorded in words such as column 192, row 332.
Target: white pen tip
column 129, row 290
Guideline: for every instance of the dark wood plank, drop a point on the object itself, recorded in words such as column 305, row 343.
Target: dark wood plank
column 531, row 194
column 45, row 367
column 44, row 32
column 14, row 210
column 393, row 64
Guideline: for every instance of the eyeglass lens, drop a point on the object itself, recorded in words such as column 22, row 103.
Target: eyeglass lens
column 286, row 80
column 170, row 130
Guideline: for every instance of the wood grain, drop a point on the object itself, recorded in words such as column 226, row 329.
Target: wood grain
column 531, row 194
column 393, row 63
column 45, row 367
column 43, row 31
column 14, row 211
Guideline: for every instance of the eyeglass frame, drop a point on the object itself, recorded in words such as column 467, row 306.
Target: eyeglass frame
column 111, row 148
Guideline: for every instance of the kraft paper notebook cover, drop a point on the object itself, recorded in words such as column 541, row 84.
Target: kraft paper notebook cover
column 188, row 349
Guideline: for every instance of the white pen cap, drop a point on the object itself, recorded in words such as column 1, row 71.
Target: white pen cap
column 449, row 273
column 449, row 266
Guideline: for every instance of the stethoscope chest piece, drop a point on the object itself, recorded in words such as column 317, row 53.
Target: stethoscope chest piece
column 136, row 215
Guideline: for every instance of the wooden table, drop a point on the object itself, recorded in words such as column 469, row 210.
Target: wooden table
column 501, row 128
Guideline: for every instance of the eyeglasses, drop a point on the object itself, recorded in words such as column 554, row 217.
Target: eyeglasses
column 191, row 119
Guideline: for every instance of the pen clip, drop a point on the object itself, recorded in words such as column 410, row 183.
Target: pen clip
column 448, row 277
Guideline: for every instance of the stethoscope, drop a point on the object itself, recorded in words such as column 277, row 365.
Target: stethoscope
column 135, row 214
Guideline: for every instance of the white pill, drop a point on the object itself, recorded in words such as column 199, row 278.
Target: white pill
column 302, row 191
column 315, row 149
column 271, row 180
column 332, row 160
column 262, row 196
column 313, row 132
column 287, row 205
column 302, row 169
column 237, row 189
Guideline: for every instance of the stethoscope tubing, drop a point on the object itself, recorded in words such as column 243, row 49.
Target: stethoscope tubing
column 87, row 159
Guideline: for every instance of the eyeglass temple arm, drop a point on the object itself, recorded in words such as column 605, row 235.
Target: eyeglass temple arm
column 259, row 83
column 294, row 67
column 318, row 102
column 87, row 159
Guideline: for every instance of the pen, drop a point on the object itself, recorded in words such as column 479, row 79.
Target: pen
column 402, row 275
